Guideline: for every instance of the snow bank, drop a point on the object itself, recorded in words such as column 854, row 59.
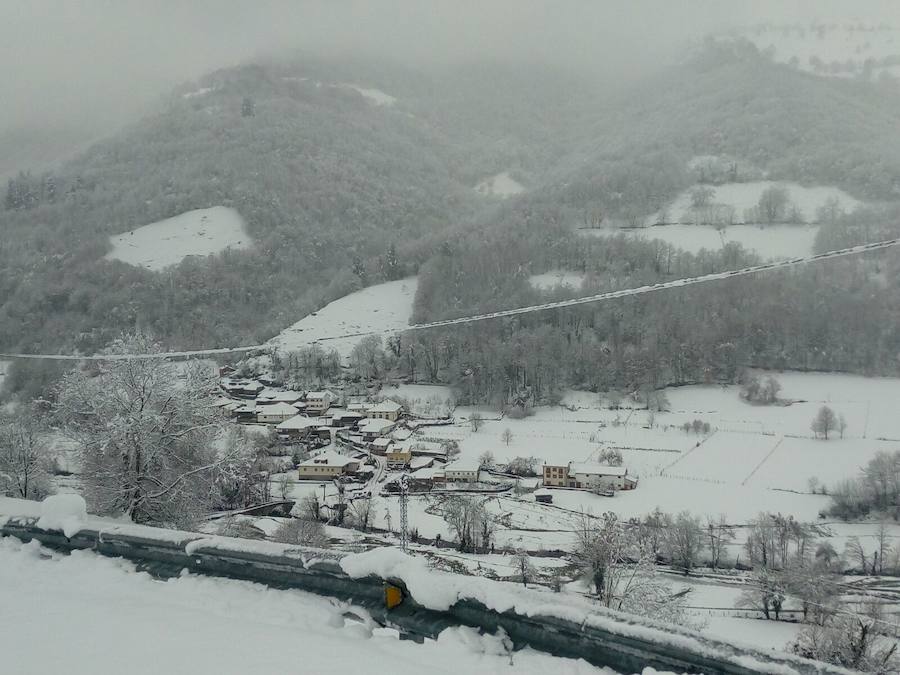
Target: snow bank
column 63, row 512
column 440, row 591
column 167, row 242
column 211, row 626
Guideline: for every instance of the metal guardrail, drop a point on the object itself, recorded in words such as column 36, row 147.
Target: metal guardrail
column 165, row 553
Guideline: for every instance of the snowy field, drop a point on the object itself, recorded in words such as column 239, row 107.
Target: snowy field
column 89, row 614
column 423, row 399
column 755, row 458
column 500, row 185
column 771, row 242
column 850, row 45
column 202, row 91
column 382, row 307
column 745, row 196
column 167, row 242
column 685, row 230
column 371, row 94
column 550, row 280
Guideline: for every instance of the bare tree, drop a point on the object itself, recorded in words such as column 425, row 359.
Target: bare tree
column 773, row 203
column 610, row 457
column 469, row 522
column 842, row 424
column 765, row 593
column 476, row 420
column 701, row 196
column 854, row 551
column 684, row 541
column 362, row 511
column 367, row 358
column 824, row 422
column 284, row 486
column 309, row 507
column 145, row 432
column 24, row 458
column 718, row 535
column 522, row 466
column 524, row 569
column 486, row 460
column 622, row 571
column 884, row 548
column 302, row 532
column 852, row 641
column 506, row 436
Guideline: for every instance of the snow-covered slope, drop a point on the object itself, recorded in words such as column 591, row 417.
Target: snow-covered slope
column 167, row 242
column 844, row 49
column 385, row 306
column 772, row 242
column 500, row 185
column 372, row 95
column 89, row 614
column 549, row 280
column 731, row 216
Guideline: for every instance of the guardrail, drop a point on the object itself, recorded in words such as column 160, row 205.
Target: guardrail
column 396, row 595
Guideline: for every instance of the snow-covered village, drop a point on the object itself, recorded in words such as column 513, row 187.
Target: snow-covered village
column 456, row 344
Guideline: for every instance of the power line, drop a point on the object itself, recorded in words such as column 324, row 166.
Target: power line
column 573, row 302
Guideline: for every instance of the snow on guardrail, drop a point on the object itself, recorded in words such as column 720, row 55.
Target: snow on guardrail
column 434, row 600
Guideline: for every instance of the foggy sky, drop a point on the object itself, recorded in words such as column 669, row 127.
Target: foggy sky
column 104, row 61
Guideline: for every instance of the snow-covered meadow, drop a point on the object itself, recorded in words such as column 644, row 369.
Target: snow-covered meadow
column 755, row 458
column 500, row 185
column 686, row 227
column 743, row 197
column 771, row 242
column 556, row 278
column 427, row 400
column 201, row 232
column 372, row 95
column 382, row 307
column 831, row 50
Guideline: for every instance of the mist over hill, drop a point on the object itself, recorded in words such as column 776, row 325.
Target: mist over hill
column 348, row 172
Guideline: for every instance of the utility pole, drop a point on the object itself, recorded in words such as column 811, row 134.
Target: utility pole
column 404, row 512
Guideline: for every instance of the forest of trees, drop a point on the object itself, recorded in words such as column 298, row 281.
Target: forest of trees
column 840, row 316
column 338, row 194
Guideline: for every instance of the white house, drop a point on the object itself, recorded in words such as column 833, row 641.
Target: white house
column 588, row 476
column 372, row 428
column 462, row 471
column 327, row 465
column 386, row 410
column 298, row 426
column 317, row 402
column 273, row 396
column 381, row 446
column 275, row 413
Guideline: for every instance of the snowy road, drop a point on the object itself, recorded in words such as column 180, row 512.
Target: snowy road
column 84, row 614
